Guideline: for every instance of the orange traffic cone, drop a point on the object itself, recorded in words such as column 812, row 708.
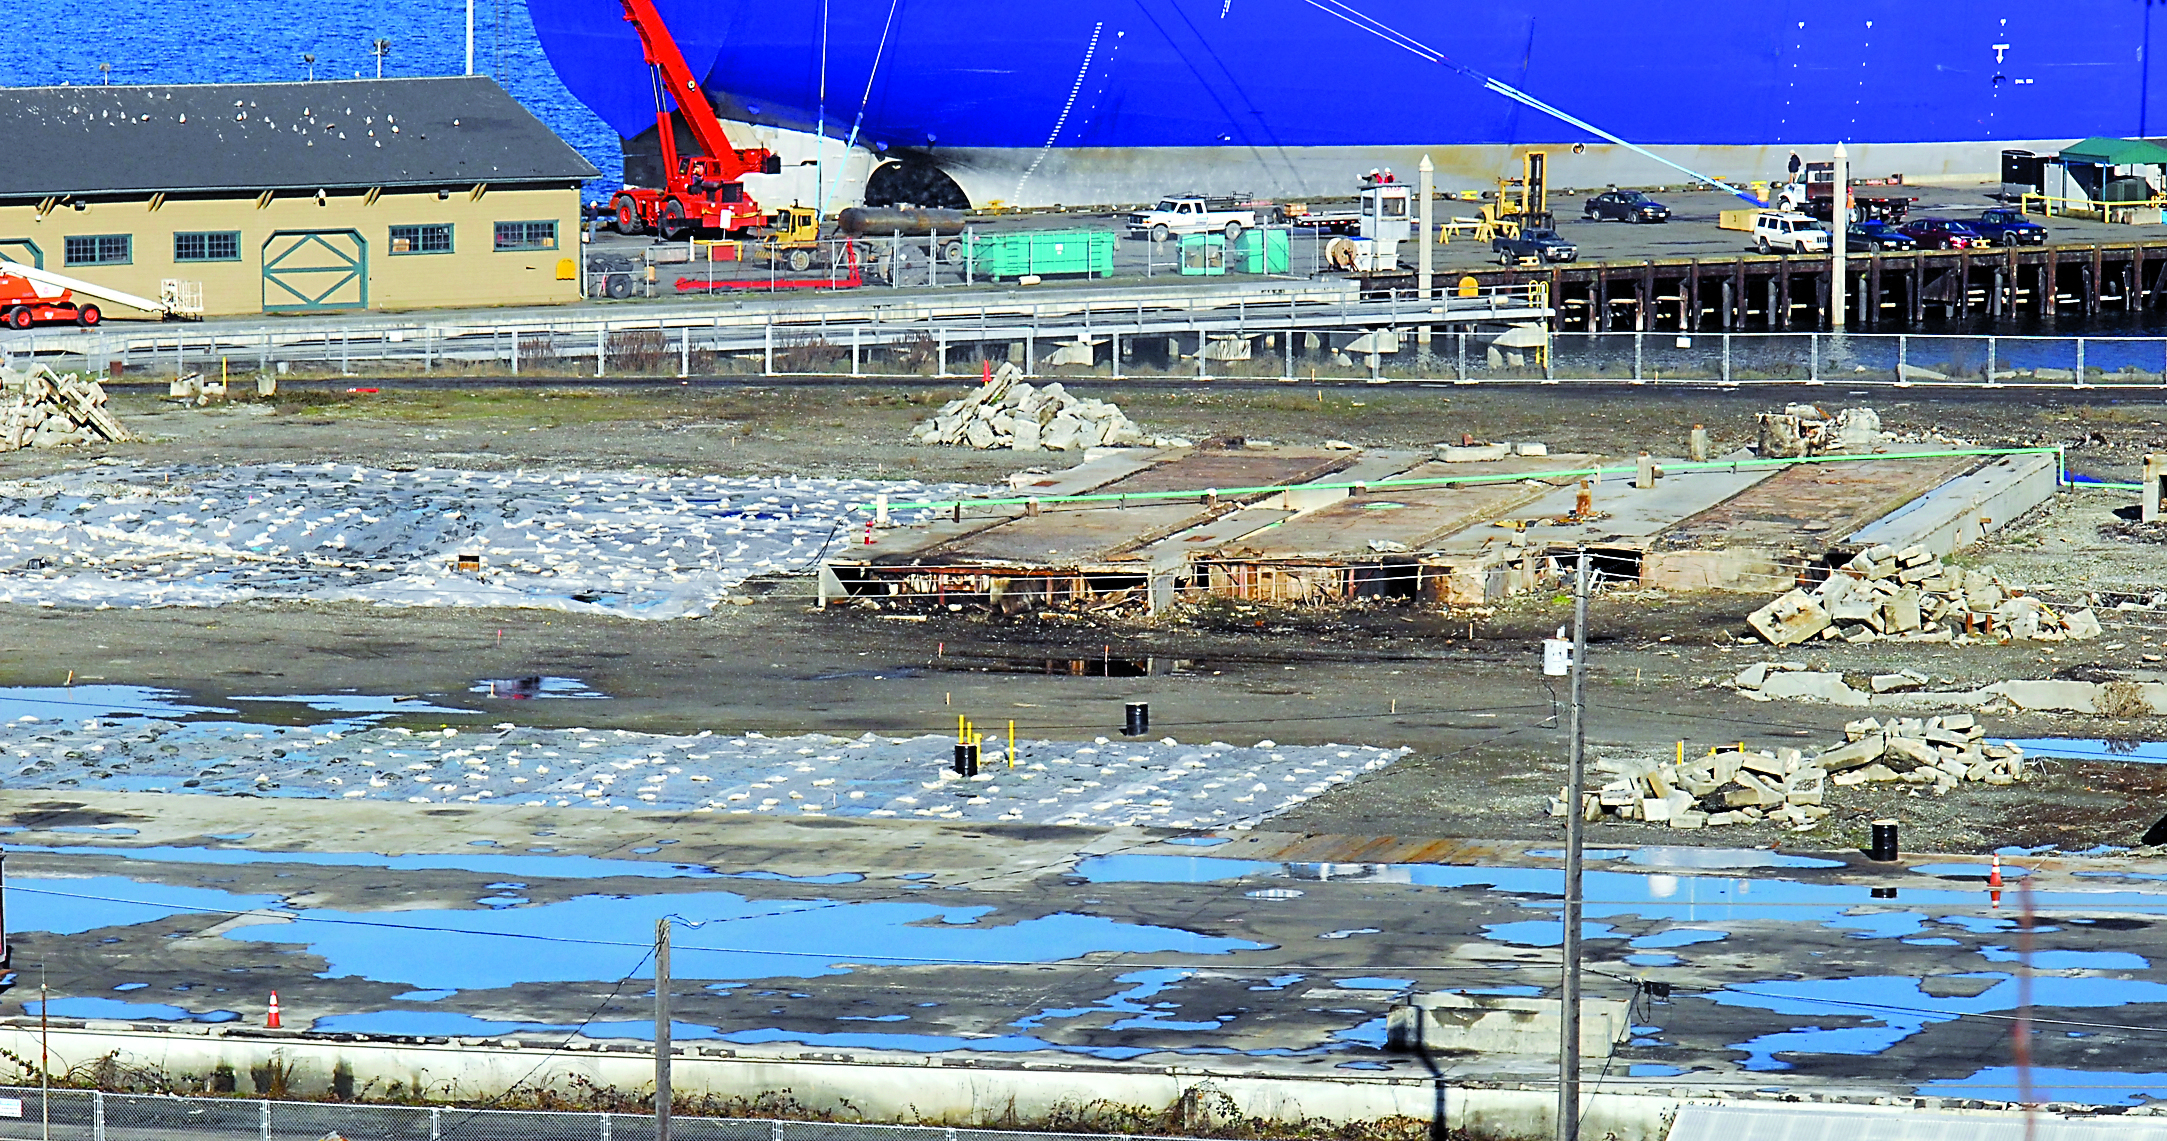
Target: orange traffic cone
column 1993, row 877
column 270, row 1020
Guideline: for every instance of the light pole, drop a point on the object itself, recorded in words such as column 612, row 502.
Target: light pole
column 105, row 71
column 380, row 49
column 470, row 37
column 309, row 58
column 1840, row 241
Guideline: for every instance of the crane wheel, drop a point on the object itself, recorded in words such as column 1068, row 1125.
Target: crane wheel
column 18, row 318
column 88, row 316
column 628, row 218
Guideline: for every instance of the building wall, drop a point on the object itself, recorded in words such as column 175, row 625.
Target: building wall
column 352, row 228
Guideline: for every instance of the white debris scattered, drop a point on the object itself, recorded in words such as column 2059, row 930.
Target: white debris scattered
column 1911, row 595
column 1007, row 412
column 40, row 408
column 634, row 545
column 1787, row 787
column 1100, row 784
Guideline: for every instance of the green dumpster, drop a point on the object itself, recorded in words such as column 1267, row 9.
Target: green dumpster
column 1262, row 251
column 1047, row 253
column 1203, row 255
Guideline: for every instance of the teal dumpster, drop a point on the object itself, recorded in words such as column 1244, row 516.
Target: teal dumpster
column 1262, row 251
column 1047, row 253
column 1203, row 255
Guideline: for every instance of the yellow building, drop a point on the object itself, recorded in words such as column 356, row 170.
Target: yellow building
column 294, row 197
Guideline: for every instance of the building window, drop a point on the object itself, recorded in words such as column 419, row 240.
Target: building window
column 212, row 245
column 526, row 236
column 100, row 249
column 434, row 238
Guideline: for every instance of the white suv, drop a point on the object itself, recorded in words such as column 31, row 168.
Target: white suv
column 1775, row 230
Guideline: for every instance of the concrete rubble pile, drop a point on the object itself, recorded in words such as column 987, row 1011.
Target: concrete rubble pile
column 1789, row 788
column 40, row 408
column 1008, row 412
column 1911, row 595
column 1805, row 430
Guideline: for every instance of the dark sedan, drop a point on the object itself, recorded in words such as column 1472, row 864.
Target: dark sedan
column 1877, row 237
column 1625, row 206
column 1943, row 234
column 2009, row 228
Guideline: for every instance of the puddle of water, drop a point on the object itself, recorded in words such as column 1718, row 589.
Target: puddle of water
column 384, row 704
column 2094, row 749
column 1683, row 857
column 76, row 702
column 2071, row 960
column 114, row 1008
column 1653, row 960
column 76, row 905
column 465, row 949
column 1969, row 871
column 536, row 687
column 1897, row 1007
column 1171, row 869
column 540, row 867
column 1095, row 666
column 1545, row 932
column 1679, row 937
column 1652, row 1070
column 2048, row 1084
column 1201, row 841
column 1374, row 984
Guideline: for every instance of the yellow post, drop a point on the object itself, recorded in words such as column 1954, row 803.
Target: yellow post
column 960, row 738
column 1011, row 744
column 1681, row 752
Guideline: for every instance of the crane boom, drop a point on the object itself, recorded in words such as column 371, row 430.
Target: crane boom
column 700, row 191
column 87, row 288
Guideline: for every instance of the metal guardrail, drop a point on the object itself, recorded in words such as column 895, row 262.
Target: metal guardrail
column 83, row 1115
column 920, row 337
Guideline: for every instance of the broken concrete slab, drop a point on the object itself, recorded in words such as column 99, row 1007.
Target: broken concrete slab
column 1789, row 620
column 1815, row 685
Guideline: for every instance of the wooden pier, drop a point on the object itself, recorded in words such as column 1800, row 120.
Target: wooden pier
column 1889, row 291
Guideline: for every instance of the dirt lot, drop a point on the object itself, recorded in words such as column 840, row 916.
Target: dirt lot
column 1462, row 690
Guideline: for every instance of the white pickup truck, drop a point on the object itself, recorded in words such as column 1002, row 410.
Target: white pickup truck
column 1193, row 214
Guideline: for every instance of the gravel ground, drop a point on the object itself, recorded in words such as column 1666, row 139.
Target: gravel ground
column 1461, row 690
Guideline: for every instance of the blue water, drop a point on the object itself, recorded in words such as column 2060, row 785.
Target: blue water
column 1657, row 856
column 1201, row 841
column 73, row 906
column 539, row 867
column 2071, row 960
column 203, row 41
column 2082, row 749
column 1897, row 1008
column 2080, row 1087
column 732, row 938
column 117, row 1010
column 1969, row 871
column 77, row 702
column 1374, row 984
column 1652, row 1070
column 1171, row 869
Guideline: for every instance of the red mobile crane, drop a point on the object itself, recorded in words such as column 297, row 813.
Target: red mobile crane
column 703, row 191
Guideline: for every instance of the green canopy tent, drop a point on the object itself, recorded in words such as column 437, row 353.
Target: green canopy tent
column 2086, row 177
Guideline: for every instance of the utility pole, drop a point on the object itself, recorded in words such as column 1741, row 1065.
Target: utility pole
column 1425, row 234
column 662, row 1029
column 45, row 1059
column 470, row 37
column 1575, row 781
column 1839, row 241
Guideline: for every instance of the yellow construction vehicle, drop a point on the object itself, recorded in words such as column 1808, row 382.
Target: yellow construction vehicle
column 1523, row 203
column 793, row 238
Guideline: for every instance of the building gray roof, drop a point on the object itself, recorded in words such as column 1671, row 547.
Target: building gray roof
column 233, row 137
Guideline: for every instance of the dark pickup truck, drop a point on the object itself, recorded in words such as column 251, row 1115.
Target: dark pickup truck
column 1544, row 245
column 2009, row 228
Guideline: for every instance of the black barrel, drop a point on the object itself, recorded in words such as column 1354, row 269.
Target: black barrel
column 1139, row 719
column 1884, row 848
column 966, row 759
column 883, row 221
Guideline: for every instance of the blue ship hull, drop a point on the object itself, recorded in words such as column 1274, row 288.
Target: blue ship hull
column 1097, row 101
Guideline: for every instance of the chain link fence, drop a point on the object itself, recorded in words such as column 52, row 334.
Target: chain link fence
column 83, row 1115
